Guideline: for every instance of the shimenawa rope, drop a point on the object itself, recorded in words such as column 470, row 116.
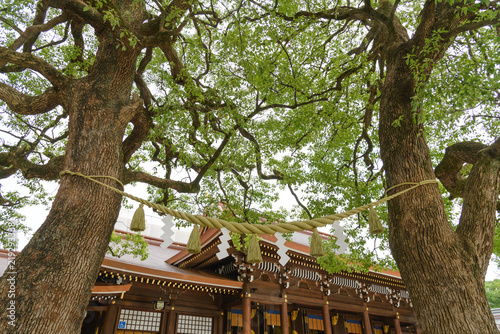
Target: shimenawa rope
column 247, row 228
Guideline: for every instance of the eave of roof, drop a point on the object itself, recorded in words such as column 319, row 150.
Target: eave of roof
column 209, row 235
column 171, row 273
column 110, row 289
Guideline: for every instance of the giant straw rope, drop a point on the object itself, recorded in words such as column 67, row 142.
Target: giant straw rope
column 246, row 228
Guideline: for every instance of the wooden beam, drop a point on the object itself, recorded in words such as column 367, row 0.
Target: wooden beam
column 196, row 311
column 270, row 300
column 349, row 307
column 232, row 304
column 411, row 320
column 97, row 308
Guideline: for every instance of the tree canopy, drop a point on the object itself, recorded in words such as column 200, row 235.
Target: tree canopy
column 231, row 102
column 245, row 98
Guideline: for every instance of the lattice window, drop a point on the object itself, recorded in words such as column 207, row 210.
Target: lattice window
column 138, row 322
column 379, row 330
column 189, row 324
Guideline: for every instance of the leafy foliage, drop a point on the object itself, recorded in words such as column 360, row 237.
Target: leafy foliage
column 496, row 246
column 493, row 293
column 249, row 100
column 130, row 243
column 11, row 221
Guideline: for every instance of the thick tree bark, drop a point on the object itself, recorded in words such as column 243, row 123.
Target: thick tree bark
column 56, row 271
column 443, row 270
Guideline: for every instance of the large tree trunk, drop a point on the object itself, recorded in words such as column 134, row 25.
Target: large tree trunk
column 443, row 269
column 58, row 268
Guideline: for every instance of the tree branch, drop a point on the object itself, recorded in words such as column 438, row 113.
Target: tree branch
column 176, row 64
column 56, row 78
column 213, row 158
column 31, row 33
column 77, row 32
column 299, row 202
column 82, row 9
column 41, row 13
column 142, row 124
column 442, row 16
column 448, row 170
column 338, row 14
column 10, row 24
column 477, row 222
column 29, row 105
column 17, row 160
column 426, row 24
column 250, row 137
column 470, row 26
column 182, row 187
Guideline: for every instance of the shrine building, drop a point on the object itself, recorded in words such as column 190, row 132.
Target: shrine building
column 217, row 292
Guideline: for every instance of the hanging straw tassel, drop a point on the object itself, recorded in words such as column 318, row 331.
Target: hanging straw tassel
column 253, row 254
column 374, row 222
column 316, row 249
column 194, row 245
column 138, row 223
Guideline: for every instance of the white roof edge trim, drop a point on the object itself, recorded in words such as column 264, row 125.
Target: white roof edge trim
column 108, row 292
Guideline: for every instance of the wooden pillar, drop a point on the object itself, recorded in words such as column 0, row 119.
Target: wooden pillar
column 417, row 329
column 247, row 314
column 219, row 323
column 171, row 321
column 326, row 319
column 219, row 320
column 110, row 319
column 397, row 325
column 284, row 318
column 366, row 320
column 164, row 323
